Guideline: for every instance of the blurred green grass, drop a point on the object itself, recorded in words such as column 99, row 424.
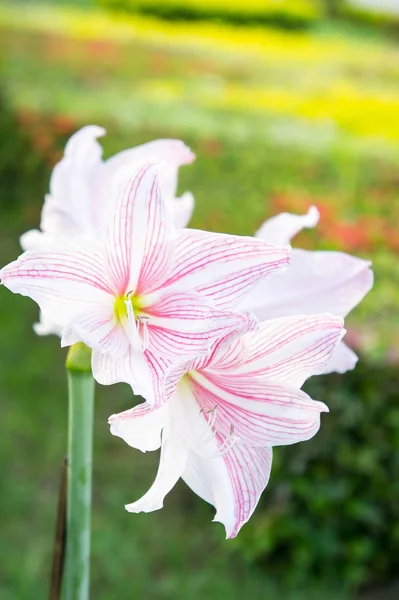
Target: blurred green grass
column 59, row 72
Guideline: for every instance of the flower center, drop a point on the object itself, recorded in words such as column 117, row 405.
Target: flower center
column 121, row 310
column 129, row 313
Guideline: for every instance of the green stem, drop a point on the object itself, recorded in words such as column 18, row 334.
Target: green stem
column 80, row 442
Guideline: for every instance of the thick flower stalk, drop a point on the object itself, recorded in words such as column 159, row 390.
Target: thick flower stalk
column 317, row 281
column 225, row 412
column 146, row 286
column 80, row 450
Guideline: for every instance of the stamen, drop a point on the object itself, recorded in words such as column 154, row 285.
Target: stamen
column 142, row 321
column 210, row 432
column 133, row 331
column 227, row 445
column 135, row 322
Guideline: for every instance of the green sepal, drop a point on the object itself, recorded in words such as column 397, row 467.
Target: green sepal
column 79, row 358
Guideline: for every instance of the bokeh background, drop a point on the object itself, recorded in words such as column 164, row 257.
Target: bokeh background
column 287, row 103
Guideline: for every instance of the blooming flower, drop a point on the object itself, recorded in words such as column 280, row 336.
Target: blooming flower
column 145, row 286
column 78, row 205
column 316, row 282
column 227, row 410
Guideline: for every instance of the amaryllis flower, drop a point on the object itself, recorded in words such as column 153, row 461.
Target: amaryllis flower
column 76, row 210
column 147, row 286
column 316, row 282
column 226, row 411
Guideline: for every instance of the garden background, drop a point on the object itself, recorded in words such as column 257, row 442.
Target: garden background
column 287, row 103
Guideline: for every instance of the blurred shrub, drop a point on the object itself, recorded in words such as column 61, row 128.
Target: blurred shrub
column 284, row 13
column 332, row 508
column 347, row 10
column 27, row 152
column 373, row 18
column 21, row 168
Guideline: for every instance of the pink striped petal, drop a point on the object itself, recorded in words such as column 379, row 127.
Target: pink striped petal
column 283, row 227
column 64, row 283
column 315, row 282
column 144, row 372
column 222, row 471
column 223, row 267
column 226, row 352
column 140, row 427
column 98, row 328
column 256, row 411
column 174, row 454
column 290, row 350
column 140, row 236
column 183, row 325
column 233, row 483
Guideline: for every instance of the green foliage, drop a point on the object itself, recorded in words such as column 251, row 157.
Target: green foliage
column 289, row 14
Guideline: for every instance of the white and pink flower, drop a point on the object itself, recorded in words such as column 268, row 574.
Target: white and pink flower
column 77, row 209
column 175, row 312
column 146, row 286
column 225, row 412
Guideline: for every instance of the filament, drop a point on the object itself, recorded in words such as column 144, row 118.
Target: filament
column 210, row 433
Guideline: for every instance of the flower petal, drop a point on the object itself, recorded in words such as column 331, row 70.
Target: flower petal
column 255, row 411
column 315, row 282
column 342, row 360
column 170, row 153
column 184, row 324
column 140, row 427
column 174, row 454
column 144, row 372
column 63, row 283
column 283, row 227
column 182, row 209
column 99, row 329
column 223, row 267
column 46, row 326
column 231, row 477
column 141, row 235
column 71, row 207
column 37, row 240
column 233, row 483
column 290, row 350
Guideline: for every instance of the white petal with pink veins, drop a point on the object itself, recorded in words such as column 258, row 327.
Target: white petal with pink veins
column 291, row 349
column 141, row 235
column 63, row 283
column 223, row 267
column 233, row 483
column 183, row 324
column 256, row 411
column 140, row 426
column 99, row 329
column 144, row 372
